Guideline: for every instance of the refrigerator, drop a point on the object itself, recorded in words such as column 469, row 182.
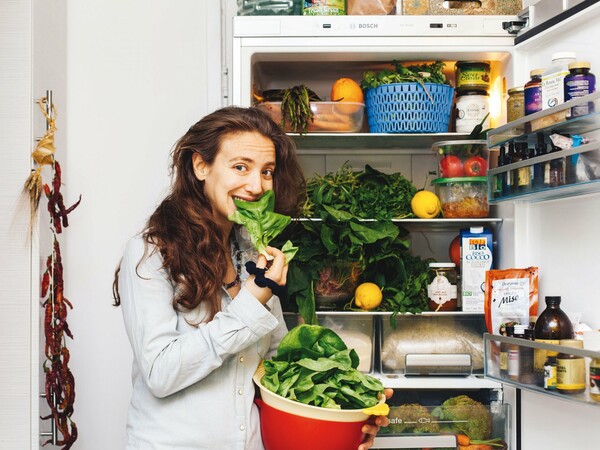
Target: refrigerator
column 555, row 230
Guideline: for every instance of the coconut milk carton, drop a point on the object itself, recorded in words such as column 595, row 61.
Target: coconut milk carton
column 476, row 258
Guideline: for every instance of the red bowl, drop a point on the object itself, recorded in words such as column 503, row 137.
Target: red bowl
column 289, row 425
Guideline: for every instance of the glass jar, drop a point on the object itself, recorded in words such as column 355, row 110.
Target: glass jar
column 570, row 369
column 472, row 106
column 515, row 104
column 442, row 288
column 595, row 379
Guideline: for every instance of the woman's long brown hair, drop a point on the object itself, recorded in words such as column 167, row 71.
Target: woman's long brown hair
column 183, row 228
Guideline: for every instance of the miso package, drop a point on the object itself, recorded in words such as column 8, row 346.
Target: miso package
column 511, row 297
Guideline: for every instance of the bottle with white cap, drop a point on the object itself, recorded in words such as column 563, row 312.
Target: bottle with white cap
column 553, row 90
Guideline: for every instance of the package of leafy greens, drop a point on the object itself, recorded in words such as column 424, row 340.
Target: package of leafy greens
column 313, row 366
column 262, row 223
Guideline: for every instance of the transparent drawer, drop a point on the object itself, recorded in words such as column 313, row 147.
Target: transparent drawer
column 432, row 344
column 456, row 416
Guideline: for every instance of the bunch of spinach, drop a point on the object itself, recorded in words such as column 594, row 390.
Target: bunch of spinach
column 341, row 201
column 263, row 224
column 314, row 366
column 416, row 73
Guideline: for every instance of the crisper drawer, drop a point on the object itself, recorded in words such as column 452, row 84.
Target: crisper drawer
column 432, row 344
column 445, row 419
column 357, row 330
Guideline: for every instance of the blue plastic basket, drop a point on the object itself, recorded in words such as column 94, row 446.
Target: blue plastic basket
column 406, row 108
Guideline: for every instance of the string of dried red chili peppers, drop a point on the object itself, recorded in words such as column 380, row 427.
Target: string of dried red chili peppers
column 60, row 383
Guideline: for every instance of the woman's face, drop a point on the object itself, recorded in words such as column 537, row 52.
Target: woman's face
column 243, row 169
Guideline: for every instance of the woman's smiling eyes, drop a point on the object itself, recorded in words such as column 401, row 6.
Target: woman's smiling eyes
column 268, row 173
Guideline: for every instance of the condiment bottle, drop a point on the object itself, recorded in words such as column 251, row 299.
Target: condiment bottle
column 523, row 173
column 501, row 177
column 533, row 92
column 570, row 369
column 526, row 374
column 515, row 103
column 541, row 170
column 514, row 354
column 579, row 82
column 551, row 326
column 595, row 379
column 509, row 331
column 553, row 89
column 442, row 290
column 550, row 372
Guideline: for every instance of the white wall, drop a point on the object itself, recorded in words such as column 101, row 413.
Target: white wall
column 15, row 250
column 137, row 78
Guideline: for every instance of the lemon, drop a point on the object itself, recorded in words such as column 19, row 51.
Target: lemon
column 368, row 296
column 425, row 205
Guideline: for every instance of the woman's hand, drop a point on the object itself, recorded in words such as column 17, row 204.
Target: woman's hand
column 371, row 428
column 277, row 270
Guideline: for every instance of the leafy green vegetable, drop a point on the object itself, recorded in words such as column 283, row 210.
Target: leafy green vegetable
column 262, row 223
column 314, row 366
column 467, row 416
column 419, row 73
column 342, row 200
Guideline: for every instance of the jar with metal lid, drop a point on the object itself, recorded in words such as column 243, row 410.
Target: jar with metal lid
column 472, row 106
column 570, row 369
column 515, row 104
column 472, row 75
column 442, row 288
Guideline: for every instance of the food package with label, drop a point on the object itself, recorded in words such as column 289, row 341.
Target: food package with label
column 457, row 7
column 371, row 7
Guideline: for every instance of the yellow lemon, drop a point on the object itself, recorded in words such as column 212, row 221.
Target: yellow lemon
column 368, row 296
column 426, row 205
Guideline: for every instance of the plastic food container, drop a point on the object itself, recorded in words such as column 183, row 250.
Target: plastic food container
column 329, row 117
column 286, row 424
column 464, row 197
column 465, row 158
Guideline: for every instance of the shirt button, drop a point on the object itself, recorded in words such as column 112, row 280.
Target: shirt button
column 240, row 392
column 241, row 359
column 242, row 427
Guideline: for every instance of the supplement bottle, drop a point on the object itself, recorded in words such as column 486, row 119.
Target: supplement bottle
column 533, row 92
column 570, row 369
column 579, row 82
column 550, row 372
column 515, row 104
column 551, row 326
column 514, row 354
column 595, row 379
column 442, row 290
column 509, row 332
column 553, row 88
column 472, row 106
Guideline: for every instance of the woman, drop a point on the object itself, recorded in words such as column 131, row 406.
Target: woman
column 198, row 324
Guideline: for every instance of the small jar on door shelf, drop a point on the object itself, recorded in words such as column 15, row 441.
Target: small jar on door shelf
column 442, row 287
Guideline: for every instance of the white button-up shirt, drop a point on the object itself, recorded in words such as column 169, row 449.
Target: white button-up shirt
column 192, row 386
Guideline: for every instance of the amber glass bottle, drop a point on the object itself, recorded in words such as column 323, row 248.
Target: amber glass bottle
column 551, row 326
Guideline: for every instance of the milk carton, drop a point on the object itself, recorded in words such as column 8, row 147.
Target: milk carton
column 475, row 259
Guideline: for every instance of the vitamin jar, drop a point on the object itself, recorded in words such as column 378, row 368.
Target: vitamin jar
column 515, row 104
column 595, row 379
column 533, row 92
column 442, row 288
column 472, row 75
column 570, row 369
column 472, row 106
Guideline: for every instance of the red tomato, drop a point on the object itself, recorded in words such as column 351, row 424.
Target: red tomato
column 454, row 251
column 451, row 167
column 475, row 166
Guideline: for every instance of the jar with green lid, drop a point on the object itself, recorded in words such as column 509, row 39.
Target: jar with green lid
column 515, row 104
column 570, row 369
column 442, row 287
